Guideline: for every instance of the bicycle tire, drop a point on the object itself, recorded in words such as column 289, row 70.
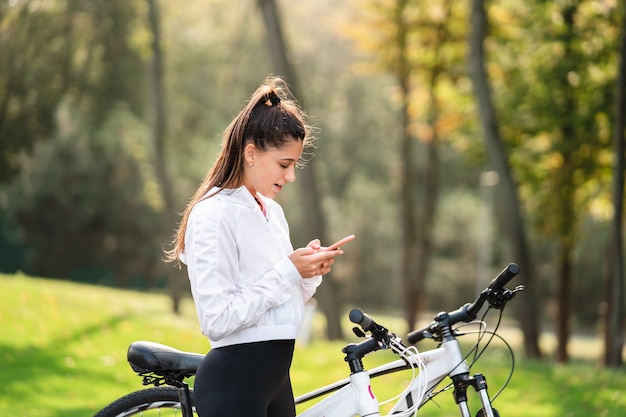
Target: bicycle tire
column 152, row 401
column 481, row 414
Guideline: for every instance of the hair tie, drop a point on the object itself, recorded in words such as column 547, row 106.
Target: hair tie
column 274, row 100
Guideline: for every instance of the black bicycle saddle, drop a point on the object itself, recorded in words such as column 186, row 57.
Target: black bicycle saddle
column 146, row 357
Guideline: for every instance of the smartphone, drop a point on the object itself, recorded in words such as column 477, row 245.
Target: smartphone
column 340, row 242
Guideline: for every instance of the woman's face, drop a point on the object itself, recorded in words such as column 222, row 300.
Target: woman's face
column 266, row 172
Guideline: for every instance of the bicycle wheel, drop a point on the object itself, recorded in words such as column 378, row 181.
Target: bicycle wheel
column 161, row 401
column 481, row 414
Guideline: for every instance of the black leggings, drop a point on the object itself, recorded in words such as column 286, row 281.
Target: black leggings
column 247, row 380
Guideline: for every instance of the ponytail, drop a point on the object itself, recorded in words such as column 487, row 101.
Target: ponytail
column 269, row 119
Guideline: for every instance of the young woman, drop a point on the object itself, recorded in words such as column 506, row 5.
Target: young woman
column 248, row 284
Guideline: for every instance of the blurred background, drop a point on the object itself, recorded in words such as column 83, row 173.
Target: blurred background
column 453, row 137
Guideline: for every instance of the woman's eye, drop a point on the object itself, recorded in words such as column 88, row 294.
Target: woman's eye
column 284, row 166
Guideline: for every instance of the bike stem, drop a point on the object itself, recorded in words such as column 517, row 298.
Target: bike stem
column 356, row 352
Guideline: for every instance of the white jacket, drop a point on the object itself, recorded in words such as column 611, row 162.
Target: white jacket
column 244, row 286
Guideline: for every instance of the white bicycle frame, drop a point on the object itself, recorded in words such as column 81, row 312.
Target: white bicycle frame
column 354, row 396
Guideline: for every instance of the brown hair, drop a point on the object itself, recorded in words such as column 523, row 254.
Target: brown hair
column 269, row 119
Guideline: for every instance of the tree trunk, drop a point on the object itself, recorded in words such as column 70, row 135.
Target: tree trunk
column 424, row 214
column 566, row 215
column 563, row 299
column 429, row 175
column 159, row 128
column 614, row 318
column 412, row 287
column 566, row 221
column 429, row 179
column 315, row 224
column 526, row 304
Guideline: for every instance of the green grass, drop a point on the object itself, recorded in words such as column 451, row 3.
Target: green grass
column 63, row 353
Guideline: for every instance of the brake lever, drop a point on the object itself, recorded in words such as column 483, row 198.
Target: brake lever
column 509, row 294
column 358, row 332
column 382, row 335
column 498, row 298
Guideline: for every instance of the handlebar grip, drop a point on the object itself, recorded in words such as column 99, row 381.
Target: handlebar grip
column 504, row 277
column 360, row 318
column 417, row 335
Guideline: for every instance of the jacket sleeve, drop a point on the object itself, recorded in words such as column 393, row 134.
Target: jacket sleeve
column 309, row 286
column 224, row 305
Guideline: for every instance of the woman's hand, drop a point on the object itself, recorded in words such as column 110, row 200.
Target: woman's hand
column 312, row 260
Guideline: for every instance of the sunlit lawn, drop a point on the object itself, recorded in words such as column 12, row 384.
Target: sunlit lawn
column 63, row 352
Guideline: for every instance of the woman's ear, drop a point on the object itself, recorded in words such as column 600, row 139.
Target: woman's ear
column 249, row 153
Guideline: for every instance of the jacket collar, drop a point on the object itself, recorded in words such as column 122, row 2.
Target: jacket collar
column 242, row 196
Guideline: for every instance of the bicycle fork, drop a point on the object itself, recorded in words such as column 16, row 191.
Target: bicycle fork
column 479, row 383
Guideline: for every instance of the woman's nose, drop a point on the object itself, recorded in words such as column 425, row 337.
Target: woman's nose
column 290, row 176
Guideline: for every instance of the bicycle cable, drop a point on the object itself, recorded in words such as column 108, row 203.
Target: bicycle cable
column 410, row 357
column 479, row 352
column 493, row 334
column 481, row 333
column 512, row 368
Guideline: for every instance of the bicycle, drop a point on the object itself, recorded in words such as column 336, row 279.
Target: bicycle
column 167, row 368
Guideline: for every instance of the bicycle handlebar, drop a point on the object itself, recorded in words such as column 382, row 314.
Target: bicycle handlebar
column 359, row 317
column 493, row 293
column 504, row 277
column 380, row 333
column 440, row 329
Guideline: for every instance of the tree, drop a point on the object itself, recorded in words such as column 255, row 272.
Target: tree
column 560, row 93
column 511, row 207
column 176, row 283
column 435, row 66
column 614, row 314
column 82, row 203
column 565, row 187
column 315, row 223
column 57, row 51
column 412, row 282
column 394, row 19
column 419, row 45
column 62, row 59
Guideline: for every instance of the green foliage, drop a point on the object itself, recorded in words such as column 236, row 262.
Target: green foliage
column 63, row 348
column 553, row 68
column 86, row 204
column 55, row 50
column 214, row 56
column 561, row 95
